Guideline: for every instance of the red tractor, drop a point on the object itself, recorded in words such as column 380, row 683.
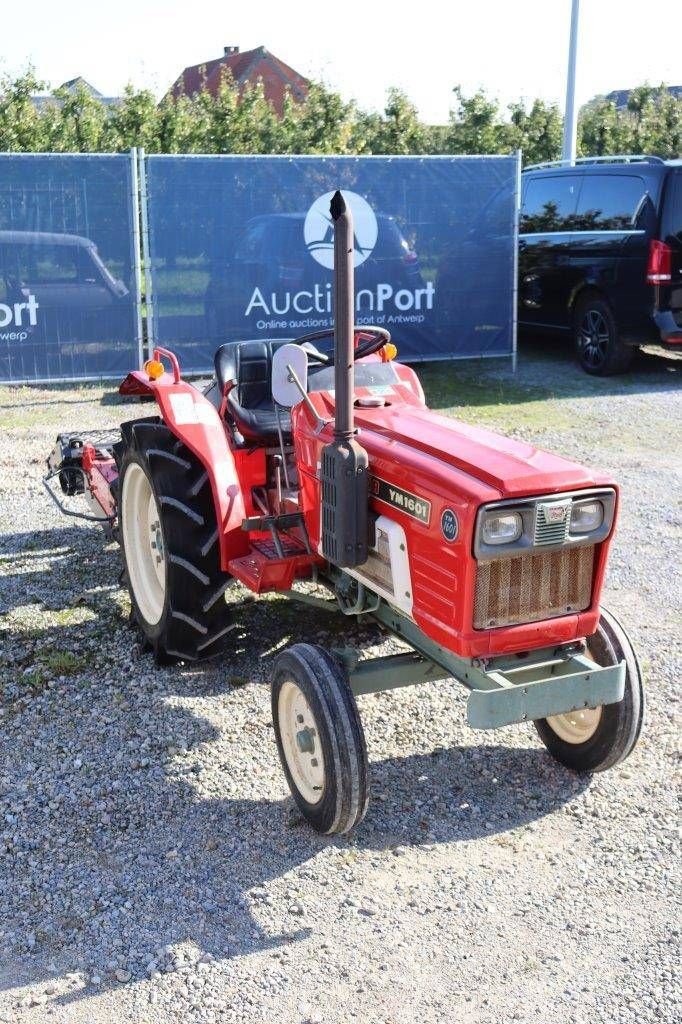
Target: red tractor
column 485, row 556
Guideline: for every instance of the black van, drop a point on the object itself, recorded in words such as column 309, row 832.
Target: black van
column 600, row 255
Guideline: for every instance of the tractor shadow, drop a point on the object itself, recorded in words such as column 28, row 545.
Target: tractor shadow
column 183, row 870
column 112, row 859
column 56, row 567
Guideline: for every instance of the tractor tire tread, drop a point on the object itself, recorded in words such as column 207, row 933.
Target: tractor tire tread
column 208, row 543
column 215, row 595
column 198, row 484
column 159, row 453
column 184, row 563
column 209, row 641
column 168, row 501
column 194, row 620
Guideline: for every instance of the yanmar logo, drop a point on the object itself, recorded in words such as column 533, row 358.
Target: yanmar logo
column 555, row 513
column 318, row 229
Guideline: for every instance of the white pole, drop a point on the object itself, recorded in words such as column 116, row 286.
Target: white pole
column 571, row 111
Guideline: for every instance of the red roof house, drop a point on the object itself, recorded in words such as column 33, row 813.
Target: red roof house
column 247, row 67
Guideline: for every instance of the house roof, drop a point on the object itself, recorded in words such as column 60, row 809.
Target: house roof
column 246, row 67
column 620, row 97
column 40, row 101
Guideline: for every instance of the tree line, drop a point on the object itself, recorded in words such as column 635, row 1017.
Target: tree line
column 78, row 122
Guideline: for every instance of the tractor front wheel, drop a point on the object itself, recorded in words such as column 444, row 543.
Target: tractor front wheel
column 170, row 545
column 320, row 738
column 594, row 739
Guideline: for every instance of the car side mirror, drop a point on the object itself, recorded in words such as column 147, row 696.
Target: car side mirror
column 287, row 361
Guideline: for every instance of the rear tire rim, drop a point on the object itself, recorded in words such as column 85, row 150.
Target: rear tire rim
column 301, row 742
column 143, row 543
column 593, row 338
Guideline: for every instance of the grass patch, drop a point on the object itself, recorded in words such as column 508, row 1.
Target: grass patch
column 35, row 679
column 502, row 403
column 63, row 663
column 75, row 616
column 453, row 384
column 24, row 406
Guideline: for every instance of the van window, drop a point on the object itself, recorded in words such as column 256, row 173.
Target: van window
column 45, row 264
column 390, row 242
column 609, row 202
column 285, row 241
column 671, row 228
column 249, row 246
column 549, row 203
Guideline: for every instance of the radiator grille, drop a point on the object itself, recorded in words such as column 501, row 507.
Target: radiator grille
column 551, row 528
column 531, row 587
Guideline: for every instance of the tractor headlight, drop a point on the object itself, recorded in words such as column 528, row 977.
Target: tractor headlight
column 586, row 516
column 501, row 528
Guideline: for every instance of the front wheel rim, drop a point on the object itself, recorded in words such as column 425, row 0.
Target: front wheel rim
column 593, row 338
column 143, row 543
column 576, row 727
column 301, row 743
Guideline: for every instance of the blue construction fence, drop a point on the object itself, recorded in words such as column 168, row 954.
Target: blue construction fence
column 70, row 305
column 237, row 247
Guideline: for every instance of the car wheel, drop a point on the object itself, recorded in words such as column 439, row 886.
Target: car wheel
column 598, row 347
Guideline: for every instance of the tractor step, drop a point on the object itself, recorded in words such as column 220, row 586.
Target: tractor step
column 263, row 569
column 282, row 522
column 273, row 525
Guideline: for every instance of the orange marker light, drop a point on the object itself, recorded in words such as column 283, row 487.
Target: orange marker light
column 388, row 352
column 154, row 369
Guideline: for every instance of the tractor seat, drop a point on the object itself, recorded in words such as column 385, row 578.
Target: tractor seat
column 250, row 403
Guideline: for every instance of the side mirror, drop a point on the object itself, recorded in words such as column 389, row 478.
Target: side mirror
column 285, row 391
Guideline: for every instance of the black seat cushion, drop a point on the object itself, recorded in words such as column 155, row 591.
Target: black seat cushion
column 250, row 402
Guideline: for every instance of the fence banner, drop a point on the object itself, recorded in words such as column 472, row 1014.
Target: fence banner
column 241, row 247
column 69, row 267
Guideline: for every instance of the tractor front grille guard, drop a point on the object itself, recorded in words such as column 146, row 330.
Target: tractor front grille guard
column 530, row 587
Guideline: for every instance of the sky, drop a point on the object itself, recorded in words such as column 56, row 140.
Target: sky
column 512, row 50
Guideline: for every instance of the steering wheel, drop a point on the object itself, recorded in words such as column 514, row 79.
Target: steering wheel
column 371, row 340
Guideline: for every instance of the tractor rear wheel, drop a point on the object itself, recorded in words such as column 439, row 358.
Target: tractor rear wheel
column 170, row 545
column 320, row 738
column 594, row 739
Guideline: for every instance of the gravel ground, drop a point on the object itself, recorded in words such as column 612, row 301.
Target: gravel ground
column 152, row 866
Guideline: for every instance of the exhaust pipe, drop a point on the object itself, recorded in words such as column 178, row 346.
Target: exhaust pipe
column 344, row 469
column 344, row 317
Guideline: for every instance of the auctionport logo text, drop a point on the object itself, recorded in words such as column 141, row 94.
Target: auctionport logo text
column 17, row 317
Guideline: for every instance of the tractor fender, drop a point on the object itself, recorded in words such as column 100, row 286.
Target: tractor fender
column 197, row 423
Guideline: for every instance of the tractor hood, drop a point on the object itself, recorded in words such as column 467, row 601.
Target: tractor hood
column 513, row 468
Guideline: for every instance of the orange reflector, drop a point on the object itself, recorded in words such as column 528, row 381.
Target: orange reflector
column 388, row 352
column 154, row 369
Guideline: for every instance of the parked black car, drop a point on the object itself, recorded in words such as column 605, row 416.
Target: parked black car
column 66, row 283
column 600, row 256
